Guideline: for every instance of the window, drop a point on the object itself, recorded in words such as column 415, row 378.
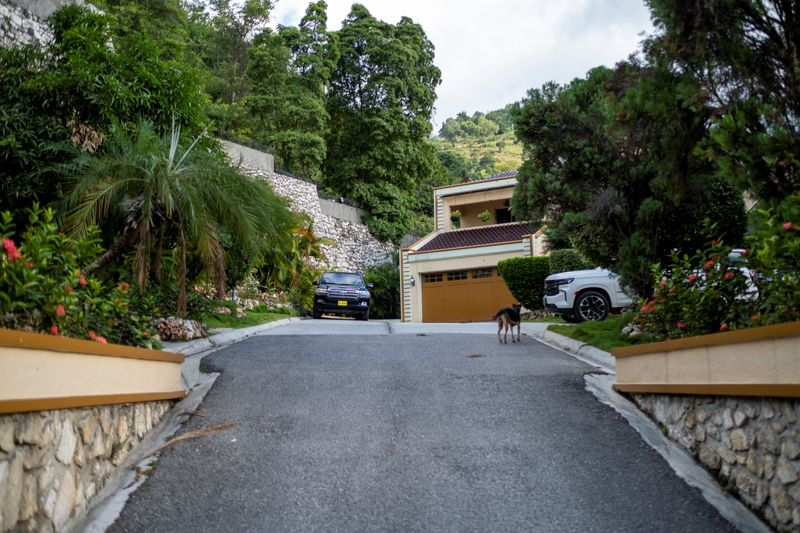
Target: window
column 432, row 278
column 482, row 273
column 503, row 215
column 457, row 276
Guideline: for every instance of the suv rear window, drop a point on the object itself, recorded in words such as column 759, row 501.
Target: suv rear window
column 341, row 278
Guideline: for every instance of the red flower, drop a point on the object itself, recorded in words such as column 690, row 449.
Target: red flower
column 729, row 275
column 709, row 264
column 28, row 264
column 692, row 278
column 11, row 249
column 724, row 326
column 92, row 335
column 662, row 284
column 82, row 281
column 124, row 286
column 146, row 334
column 102, row 340
column 53, row 330
column 681, row 325
column 60, row 311
column 786, row 226
column 755, row 318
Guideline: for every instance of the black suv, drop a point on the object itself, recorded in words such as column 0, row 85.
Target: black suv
column 342, row 293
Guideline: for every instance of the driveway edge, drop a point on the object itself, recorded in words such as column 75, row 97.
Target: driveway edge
column 581, row 350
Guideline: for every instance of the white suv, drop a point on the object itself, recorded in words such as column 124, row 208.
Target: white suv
column 584, row 294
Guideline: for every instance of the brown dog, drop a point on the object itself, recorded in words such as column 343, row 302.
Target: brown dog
column 508, row 317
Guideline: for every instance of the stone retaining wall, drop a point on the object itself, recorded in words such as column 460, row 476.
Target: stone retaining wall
column 752, row 444
column 353, row 248
column 53, row 462
column 19, row 26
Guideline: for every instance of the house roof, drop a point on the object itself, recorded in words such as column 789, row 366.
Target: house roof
column 500, row 176
column 481, row 236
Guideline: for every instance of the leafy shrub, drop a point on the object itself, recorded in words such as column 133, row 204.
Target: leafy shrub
column 385, row 293
column 709, row 292
column 42, row 288
column 567, row 260
column 524, row 277
column 697, row 295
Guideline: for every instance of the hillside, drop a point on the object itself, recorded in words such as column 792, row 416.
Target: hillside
column 478, row 146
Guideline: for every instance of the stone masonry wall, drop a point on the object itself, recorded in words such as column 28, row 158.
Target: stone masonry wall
column 53, row 462
column 752, row 444
column 353, row 249
column 19, row 26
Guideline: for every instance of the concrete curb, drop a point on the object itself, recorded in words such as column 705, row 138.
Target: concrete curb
column 581, row 350
column 197, row 349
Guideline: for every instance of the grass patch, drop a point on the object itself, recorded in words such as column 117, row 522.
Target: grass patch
column 547, row 320
column 252, row 317
column 605, row 335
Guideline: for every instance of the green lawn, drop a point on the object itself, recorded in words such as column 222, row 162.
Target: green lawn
column 253, row 317
column 604, row 335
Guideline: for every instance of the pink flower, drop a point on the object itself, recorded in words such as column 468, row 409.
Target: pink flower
column 92, row 335
column 662, row 284
column 692, row 277
column 53, row 330
column 786, row 226
column 681, row 325
column 60, row 311
column 728, row 275
column 11, row 249
column 82, row 281
column 102, row 340
column 709, row 264
column 724, row 326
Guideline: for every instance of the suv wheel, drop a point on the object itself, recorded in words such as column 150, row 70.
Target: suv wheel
column 315, row 313
column 364, row 315
column 592, row 306
column 570, row 319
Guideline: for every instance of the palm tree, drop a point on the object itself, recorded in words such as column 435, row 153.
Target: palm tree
column 149, row 186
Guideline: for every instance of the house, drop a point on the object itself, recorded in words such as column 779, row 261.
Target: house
column 450, row 275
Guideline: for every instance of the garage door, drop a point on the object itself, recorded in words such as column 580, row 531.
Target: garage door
column 463, row 295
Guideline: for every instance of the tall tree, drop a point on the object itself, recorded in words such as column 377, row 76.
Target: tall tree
column 380, row 102
column 746, row 54
column 613, row 168
column 290, row 71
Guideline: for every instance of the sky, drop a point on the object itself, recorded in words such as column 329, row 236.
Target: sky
column 491, row 52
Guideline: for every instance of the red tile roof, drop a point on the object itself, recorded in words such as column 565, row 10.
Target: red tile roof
column 482, row 236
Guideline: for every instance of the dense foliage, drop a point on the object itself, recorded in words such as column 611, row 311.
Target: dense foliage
column 524, row 277
column 44, row 287
column 385, row 292
column 716, row 290
column 567, row 260
column 614, row 167
column 74, row 89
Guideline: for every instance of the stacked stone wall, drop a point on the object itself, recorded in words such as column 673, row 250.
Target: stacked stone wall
column 19, row 26
column 352, row 246
column 751, row 444
column 52, row 463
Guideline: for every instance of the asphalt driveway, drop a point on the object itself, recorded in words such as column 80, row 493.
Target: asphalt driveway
column 387, row 431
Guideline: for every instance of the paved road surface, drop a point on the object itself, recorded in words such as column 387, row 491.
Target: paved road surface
column 394, row 432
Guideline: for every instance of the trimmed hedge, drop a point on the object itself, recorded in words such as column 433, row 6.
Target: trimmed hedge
column 567, row 260
column 524, row 277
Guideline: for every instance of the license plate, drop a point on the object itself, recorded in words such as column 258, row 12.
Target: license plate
column 342, row 303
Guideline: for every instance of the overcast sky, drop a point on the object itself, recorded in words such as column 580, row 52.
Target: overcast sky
column 491, row 52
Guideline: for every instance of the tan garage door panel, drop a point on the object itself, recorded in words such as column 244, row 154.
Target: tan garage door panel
column 463, row 296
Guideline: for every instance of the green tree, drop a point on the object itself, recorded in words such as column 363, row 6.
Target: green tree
column 380, row 103
column 149, row 192
column 745, row 54
column 289, row 71
column 614, row 170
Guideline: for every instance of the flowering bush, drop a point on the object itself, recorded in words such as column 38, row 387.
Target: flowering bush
column 711, row 292
column 42, row 288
